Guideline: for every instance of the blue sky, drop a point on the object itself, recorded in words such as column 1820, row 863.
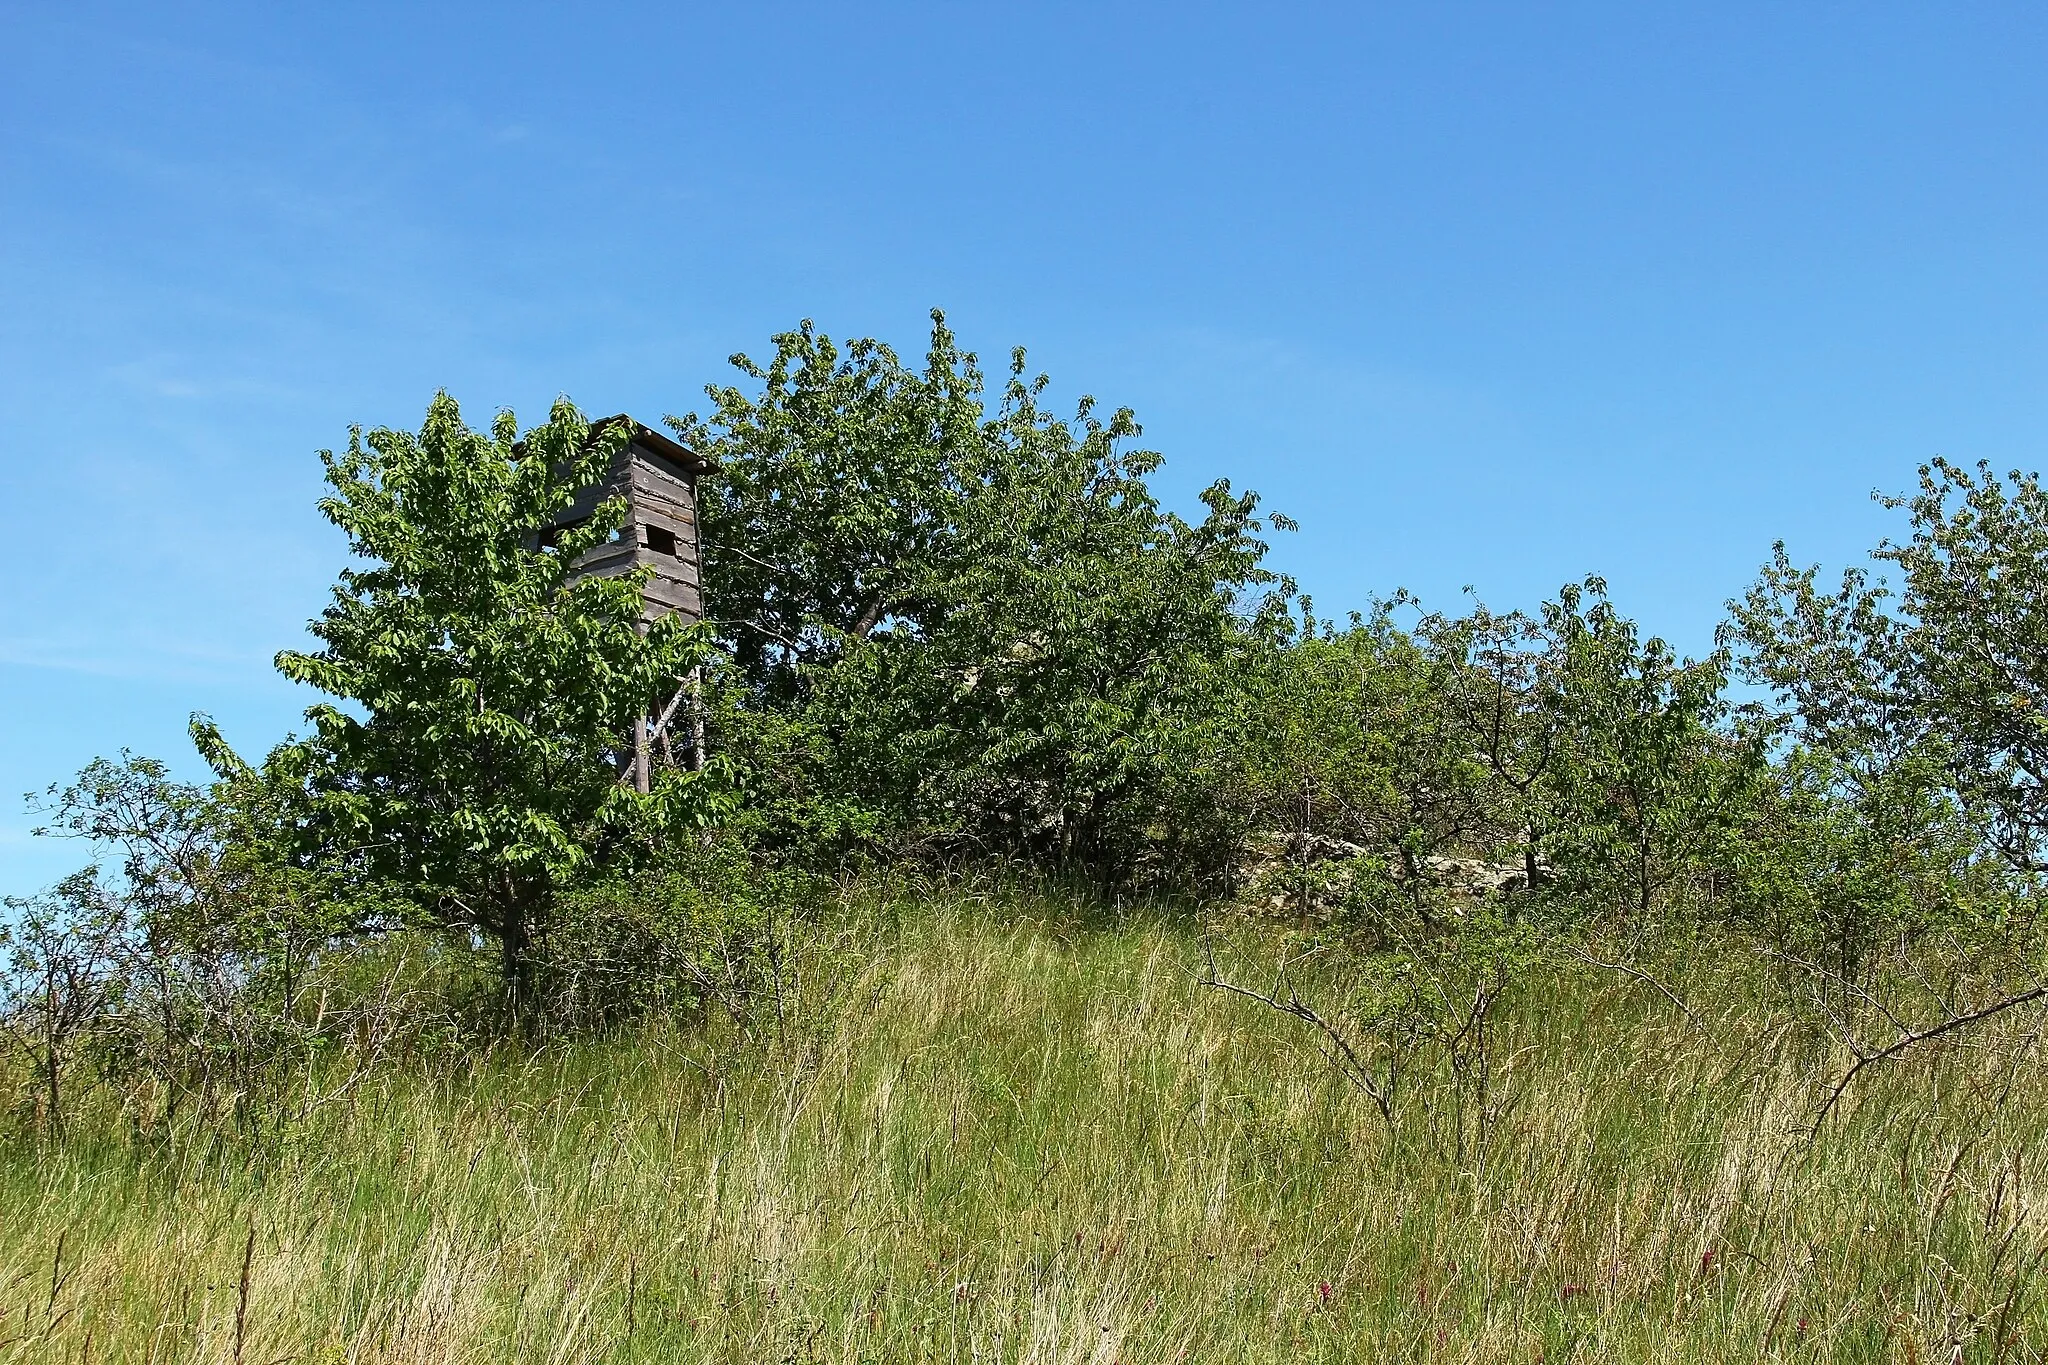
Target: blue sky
column 1482, row 294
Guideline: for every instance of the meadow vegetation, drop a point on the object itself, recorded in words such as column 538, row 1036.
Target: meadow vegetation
column 991, row 1130
column 1063, row 945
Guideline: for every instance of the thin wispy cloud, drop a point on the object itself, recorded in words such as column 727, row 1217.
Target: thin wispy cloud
column 158, row 661
column 177, row 377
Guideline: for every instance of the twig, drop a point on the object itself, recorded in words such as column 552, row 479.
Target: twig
column 1345, row 1058
column 756, row 559
column 57, row 1278
column 1647, row 980
column 1886, row 1054
column 242, row 1294
column 1814, row 971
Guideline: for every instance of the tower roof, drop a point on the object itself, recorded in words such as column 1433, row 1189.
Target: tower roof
column 659, row 442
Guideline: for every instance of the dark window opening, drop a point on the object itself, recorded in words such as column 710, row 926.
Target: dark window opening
column 551, row 536
column 659, row 539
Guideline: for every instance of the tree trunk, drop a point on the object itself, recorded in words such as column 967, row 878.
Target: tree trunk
column 870, row 617
column 697, row 719
column 643, row 758
column 52, row 1047
column 515, row 961
column 50, row 1065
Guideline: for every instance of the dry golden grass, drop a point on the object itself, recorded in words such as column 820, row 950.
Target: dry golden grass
column 1012, row 1140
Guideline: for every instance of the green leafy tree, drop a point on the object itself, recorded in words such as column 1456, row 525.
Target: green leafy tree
column 207, row 925
column 1497, row 680
column 1351, row 751
column 997, row 634
column 842, row 484
column 1832, row 862
column 484, row 695
column 1650, row 773
column 61, row 955
column 1088, row 643
column 1602, row 763
column 1949, row 669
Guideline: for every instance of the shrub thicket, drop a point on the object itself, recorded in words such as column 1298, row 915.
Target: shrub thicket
column 956, row 634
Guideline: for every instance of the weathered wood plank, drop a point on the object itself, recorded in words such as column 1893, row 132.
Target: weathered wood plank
column 670, row 507
column 617, row 545
column 682, row 530
column 656, row 483
column 587, row 501
column 670, row 567
column 662, row 507
column 659, row 463
column 673, row 594
column 618, row 559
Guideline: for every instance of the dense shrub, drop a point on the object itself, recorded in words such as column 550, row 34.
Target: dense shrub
column 948, row 629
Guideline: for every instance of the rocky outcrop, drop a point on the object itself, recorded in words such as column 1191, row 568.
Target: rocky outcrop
column 1475, row 877
column 1287, row 873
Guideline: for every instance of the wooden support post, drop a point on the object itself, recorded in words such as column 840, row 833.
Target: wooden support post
column 697, row 719
column 643, row 759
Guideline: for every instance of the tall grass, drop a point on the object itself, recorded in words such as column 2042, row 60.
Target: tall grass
column 999, row 1137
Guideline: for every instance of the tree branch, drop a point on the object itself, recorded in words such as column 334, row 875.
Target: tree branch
column 1923, row 1035
column 1343, row 1056
column 1647, row 980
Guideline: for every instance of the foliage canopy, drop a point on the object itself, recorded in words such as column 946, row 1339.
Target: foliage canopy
column 484, row 696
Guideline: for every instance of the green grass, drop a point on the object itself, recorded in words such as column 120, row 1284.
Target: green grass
column 1007, row 1139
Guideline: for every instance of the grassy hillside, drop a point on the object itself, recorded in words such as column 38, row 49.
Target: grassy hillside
column 989, row 1136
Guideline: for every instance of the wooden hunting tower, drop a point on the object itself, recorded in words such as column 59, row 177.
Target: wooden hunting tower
column 657, row 476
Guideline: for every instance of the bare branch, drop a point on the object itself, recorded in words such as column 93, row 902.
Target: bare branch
column 1923, row 1035
column 1342, row 1054
column 1647, row 980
